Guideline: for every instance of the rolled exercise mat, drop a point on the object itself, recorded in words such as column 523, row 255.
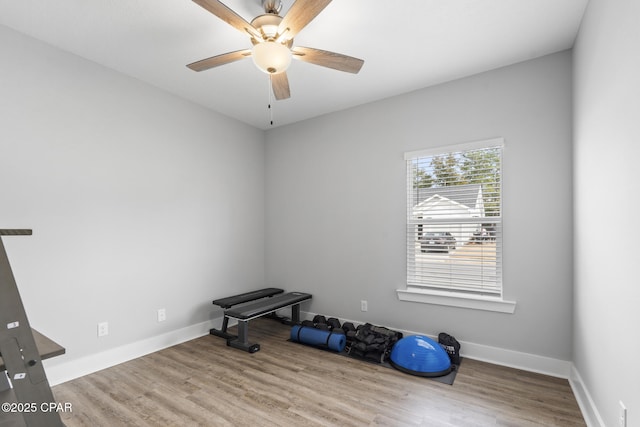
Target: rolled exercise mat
column 319, row 338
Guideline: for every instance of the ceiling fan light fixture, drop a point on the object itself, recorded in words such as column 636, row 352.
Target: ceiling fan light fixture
column 271, row 57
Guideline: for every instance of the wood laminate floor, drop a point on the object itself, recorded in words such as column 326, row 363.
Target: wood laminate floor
column 205, row 383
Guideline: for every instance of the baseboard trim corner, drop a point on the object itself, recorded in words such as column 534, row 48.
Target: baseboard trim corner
column 59, row 372
column 587, row 406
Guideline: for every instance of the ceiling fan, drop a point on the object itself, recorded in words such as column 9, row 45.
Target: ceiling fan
column 272, row 38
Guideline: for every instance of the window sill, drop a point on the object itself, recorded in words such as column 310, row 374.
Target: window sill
column 428, row 296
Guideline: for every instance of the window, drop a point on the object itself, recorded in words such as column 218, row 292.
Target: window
column 454, row 221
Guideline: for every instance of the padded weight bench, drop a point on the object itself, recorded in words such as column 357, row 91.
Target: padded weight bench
column 245, row 312
column 240, row 299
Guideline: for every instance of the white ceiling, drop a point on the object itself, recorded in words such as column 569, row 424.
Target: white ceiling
column 406, row 45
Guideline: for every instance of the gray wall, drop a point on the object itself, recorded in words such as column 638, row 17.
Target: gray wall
column 140, row 200
column 137, row 200
column 607, row 149
column 335, row 223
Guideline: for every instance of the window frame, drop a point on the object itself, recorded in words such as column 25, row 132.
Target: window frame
column 441, row 295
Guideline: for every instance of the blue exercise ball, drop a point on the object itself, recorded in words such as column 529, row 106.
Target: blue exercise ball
column 420, row 355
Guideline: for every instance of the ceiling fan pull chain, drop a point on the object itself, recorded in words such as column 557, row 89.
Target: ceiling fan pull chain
column 269, row 105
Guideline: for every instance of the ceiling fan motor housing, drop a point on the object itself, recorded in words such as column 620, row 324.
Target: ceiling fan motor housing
column 267, row 25
column 272, row 6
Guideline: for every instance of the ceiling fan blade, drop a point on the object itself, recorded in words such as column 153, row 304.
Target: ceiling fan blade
column 280, row 85
column 229, row 16
column 299, row 15
column 324, row 58
column 217, row 60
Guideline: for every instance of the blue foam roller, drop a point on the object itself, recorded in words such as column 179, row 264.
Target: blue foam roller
column 318, row 338
column 420, row 355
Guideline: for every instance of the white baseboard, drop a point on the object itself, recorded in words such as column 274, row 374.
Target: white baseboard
column 516, row 359
column 61, row 372
column 585, row 402
column 58, row 373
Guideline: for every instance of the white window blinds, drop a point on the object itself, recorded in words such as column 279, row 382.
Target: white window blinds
column 454, row 218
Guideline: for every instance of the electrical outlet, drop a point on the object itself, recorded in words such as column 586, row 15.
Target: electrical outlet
column 363, row 305
column 103, row 329
column 622, row 415
column 162, row 315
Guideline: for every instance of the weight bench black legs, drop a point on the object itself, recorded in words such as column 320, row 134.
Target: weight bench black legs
column 246, row 312
column 240, row 299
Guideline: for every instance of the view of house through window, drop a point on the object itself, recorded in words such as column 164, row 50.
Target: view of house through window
column 454, row 228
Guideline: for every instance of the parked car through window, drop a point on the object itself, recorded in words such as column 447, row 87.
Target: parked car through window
column 441, row 241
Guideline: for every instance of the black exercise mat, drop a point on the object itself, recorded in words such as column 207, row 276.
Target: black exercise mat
column 445, row 379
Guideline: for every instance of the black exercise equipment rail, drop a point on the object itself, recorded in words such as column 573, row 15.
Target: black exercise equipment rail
column 21, row 356
column 240, row 299
column 249, row 311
